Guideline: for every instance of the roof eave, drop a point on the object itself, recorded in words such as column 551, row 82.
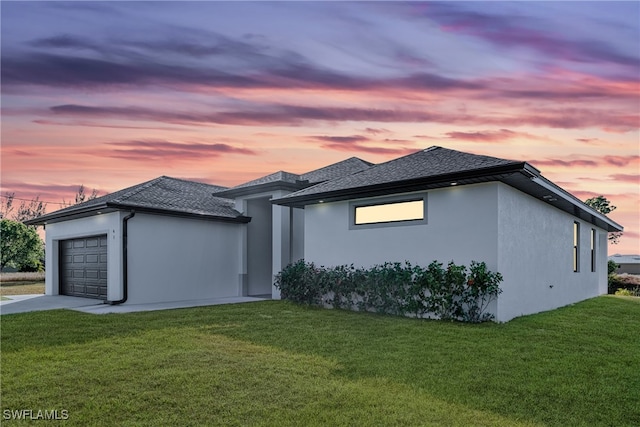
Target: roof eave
column 69, row 215
column 182, row 214
column 432, row 182
column 232, row 193
column 580, row 209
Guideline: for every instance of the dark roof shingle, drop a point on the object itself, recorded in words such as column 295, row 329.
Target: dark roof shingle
column 292, row 181
column 166, row 194
column 432, row 162
column 336, row 170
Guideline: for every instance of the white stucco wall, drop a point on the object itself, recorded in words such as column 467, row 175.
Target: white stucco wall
column 535, row 256
column 109, row 224
column 528, row 241
column 177, row 259
column 287, row 235
column 461, row 227
column 297, row 237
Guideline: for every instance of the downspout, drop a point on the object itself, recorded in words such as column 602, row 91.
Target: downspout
column 125, row 263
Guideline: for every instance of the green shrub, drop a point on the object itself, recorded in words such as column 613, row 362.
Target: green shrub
column 611, row 267
column 624, row 292
column 623, row 281
column 454, row 293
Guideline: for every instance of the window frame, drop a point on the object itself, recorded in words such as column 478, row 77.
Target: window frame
column 387, row 201
column 594, row 242
column 576, row 247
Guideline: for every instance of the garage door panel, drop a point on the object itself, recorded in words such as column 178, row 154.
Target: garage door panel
column 92, row 258
column 83, row 267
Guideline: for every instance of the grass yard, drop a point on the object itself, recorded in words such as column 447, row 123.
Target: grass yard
column 21, row 288
column 276, row 364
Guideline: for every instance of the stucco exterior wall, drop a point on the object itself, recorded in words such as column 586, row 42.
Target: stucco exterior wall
column 177, row 259
column 461, row 226
column 109, row 224
column 535, row 256
column 286, row 236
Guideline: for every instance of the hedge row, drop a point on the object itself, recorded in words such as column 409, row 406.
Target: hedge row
column 452, row 293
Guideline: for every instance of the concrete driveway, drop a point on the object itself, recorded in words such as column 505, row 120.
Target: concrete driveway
column 26, row 303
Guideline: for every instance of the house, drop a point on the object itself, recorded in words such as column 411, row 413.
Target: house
column 170, row 239
column 629, row 264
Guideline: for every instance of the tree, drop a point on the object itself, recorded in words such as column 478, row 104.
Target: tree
column 602, row 205
column 81, row 196
column 6, row 204
column 20, row 246
column 28, row 209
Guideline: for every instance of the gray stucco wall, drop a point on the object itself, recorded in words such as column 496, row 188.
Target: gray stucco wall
column 177, row 259
column 258, row 248
column 523, row 238
column 109, row 224
column 535, row 256
column 461, row 226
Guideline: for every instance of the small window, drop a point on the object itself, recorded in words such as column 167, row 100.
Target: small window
column 576, row 247
column 388, row 212
column 593, row 249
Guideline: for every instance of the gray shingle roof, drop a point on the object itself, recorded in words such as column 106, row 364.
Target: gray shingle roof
column 166, row 194
column 280, row 176
column 336, row 170
column 294, row 181
column 432, row 162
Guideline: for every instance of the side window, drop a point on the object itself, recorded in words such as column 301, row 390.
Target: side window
column 387, row 212
column 593, row 249
column 576, row 246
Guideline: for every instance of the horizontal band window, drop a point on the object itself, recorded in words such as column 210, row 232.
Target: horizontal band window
column 390, row 212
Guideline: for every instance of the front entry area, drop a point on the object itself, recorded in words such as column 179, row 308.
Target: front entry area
column 259, row 247
column 83, row 267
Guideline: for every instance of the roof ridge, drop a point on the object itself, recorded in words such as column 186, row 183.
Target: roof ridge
column 137, row 189
column 190, row 181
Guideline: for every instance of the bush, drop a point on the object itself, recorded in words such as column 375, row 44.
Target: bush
column 625, row 293
column 611, row 267
column 454, row 293
column 624, row 281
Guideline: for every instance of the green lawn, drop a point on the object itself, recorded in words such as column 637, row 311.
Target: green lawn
column 276, row 364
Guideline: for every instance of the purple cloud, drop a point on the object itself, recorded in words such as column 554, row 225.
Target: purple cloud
column 157, row 149
column 486, row 136
column 354, row 143
column 341, row 139
column 293, row 115
column 620, row 161
column 513, row 32
column 564, row 163
column 632, row 178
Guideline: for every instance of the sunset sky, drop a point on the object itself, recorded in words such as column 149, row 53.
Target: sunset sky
column 111, row 94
